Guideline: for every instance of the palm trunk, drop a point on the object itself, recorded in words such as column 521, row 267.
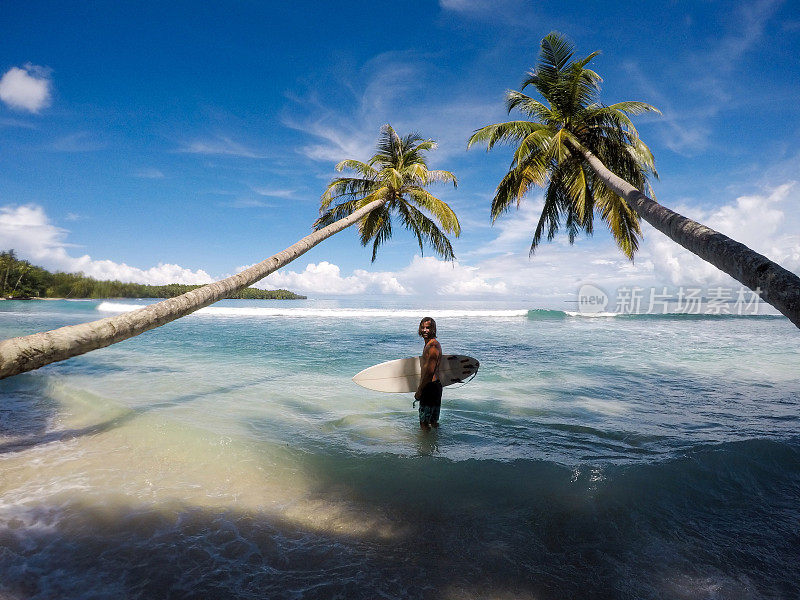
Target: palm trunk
column 14, row 289
column 21, row 354
column 775, row 285
column 5, row 280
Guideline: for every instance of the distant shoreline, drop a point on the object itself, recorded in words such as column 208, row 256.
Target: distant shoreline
column 265, row 297
column 23, row 281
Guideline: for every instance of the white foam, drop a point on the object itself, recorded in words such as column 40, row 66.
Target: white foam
column 339, row 313
column 586, row 314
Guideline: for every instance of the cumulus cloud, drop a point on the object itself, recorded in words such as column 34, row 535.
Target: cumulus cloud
column 27, row 230
column 767, row 223
column 423, row 275
column 431, row 275
column 326, row 278
column 501, row 268
column 27, row 88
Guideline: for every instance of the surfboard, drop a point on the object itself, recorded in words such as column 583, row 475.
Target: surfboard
column 402, row 375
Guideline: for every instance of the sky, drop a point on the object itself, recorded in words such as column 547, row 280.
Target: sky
column 183, row 141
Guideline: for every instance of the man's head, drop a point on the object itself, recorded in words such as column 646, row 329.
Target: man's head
column 427, row 328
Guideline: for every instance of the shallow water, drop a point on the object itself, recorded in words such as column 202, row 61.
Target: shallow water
column 228, row 454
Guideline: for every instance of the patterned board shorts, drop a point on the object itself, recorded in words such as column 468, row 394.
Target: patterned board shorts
column 429, row 415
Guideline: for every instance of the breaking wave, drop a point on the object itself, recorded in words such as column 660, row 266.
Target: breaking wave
column 262, row 311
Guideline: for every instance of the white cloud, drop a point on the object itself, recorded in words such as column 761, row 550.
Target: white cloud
column 28, row 88
column 247, row 203
column 515, row 228
column 326, row 278
column 149, row 173
column 443, row 278
column 396, row 89
column 503, row 270
column 464, row 5
column 81, row 141
column 220, row 145
column 422, row 276
column 17, row 123
column 767, row 223
column 553, row 275
column 341, row 139
column 30, row 233
column 512, row 14
column 273, row 193
column 686, row 131
column 557, row 269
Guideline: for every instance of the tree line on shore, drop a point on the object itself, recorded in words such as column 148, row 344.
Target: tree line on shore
column 21, row 279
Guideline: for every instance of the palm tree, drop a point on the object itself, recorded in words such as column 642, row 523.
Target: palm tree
column 403, row 174
column 590, row 159
column 396, row 175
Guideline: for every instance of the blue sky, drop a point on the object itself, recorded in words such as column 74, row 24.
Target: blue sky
column 182, row 141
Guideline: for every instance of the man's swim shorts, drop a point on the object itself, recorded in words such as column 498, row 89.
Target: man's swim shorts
column 430, row 403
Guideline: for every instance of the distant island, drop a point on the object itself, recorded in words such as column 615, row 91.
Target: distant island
column 20, row 279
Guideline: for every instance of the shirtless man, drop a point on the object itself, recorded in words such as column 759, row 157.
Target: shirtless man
column 429, row 391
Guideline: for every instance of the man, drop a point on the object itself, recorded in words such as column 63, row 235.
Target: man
column 429, row 391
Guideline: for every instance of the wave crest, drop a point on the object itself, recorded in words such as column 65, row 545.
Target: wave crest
column 339, row 313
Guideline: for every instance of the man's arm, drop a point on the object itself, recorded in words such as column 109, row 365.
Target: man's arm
column 430, row 358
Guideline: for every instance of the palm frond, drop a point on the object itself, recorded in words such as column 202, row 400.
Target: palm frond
column 578, row 88
column 392, row 177
column 376, row 227
column 440, row 176
column 347, row 187
column 426, row 231
column 359, row 167
column 513, row 187
column 550, row 217
column 535, row 147
column 529, row 106
column 633, row 107
column 398, row 174
column 345, row 209
column 622, row 221
column 569, row 117
column 574, row 181
column 503, row 132
column 437, row 208
column 556, row 52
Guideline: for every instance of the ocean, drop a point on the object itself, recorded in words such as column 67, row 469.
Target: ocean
column 229, row 455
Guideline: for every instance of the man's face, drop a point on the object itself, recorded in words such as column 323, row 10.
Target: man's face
column 425, row 330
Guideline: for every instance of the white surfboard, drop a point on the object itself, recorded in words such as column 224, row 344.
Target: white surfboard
column 402, row 375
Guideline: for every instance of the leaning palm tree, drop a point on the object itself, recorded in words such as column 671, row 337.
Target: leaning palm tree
column 396, row 177
column 406, row 177
column 591, row 162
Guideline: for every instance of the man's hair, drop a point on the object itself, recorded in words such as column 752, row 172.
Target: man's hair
column 433, row 326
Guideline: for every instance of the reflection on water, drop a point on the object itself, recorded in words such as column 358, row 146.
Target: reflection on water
column 427, row 441
column 235, row 458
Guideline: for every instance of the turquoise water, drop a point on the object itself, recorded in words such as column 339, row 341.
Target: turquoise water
column 229, row 455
